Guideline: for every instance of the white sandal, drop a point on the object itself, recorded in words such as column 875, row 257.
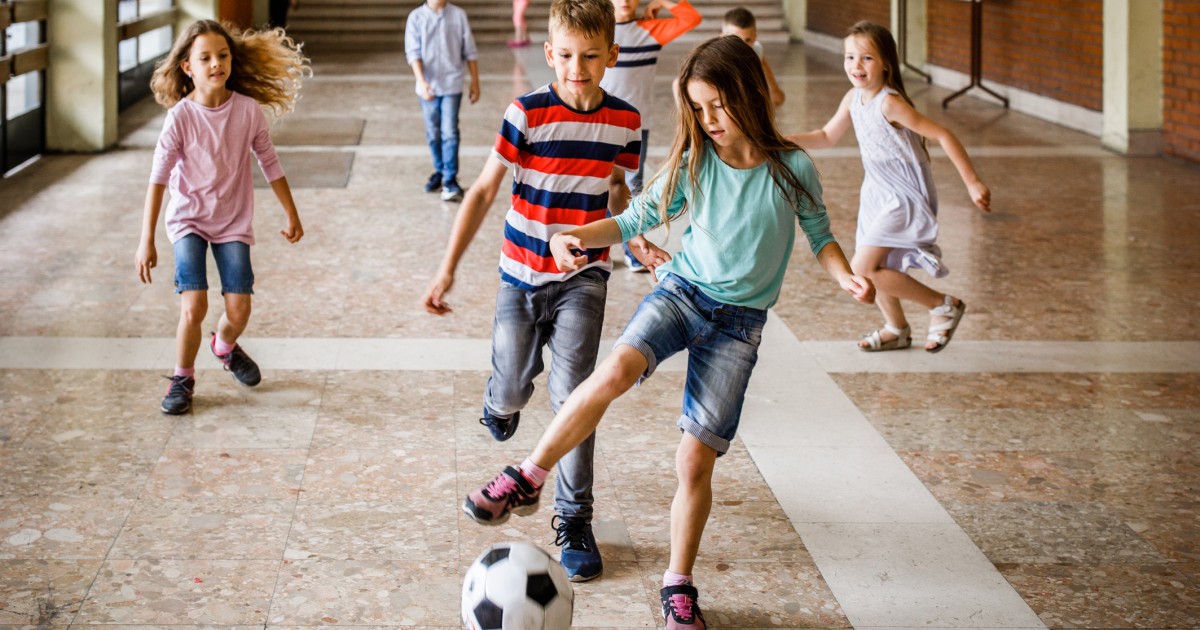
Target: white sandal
column 875, row 342
column 941, row 333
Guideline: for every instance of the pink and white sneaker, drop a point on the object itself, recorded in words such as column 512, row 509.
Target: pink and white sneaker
column 509, row 493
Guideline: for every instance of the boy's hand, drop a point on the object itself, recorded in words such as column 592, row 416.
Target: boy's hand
column 433, row 299
column 860, row 287
column 294, row 231
column 425, row 90
column 145, row 260
column 655, row 6
column 563, row 247
column 981, row 195
column 473, row 94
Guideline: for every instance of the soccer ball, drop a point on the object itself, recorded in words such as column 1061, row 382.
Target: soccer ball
column 517, row 586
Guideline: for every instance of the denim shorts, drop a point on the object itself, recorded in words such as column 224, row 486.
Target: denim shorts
column 722, row 343
column 233, row 264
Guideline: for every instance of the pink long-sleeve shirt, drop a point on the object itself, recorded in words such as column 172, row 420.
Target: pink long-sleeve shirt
column 203, row 156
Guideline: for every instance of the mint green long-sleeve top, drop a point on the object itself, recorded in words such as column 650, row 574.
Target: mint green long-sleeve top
column 741, row 232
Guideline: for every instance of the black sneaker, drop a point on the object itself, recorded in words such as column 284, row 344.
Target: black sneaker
column 680, row 609
column 501, row 428
column 238, row 363
column 179, row 395
column 451, row 191
column 580, row 555
column 434, row 183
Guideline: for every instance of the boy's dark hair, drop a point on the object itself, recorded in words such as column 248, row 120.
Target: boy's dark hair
column 586, row 17
column 740, row 17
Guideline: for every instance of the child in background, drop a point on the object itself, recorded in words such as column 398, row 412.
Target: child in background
column 632, row 79
column 520, row 29
column 215, row 82
column 437, row 44
column 897, row 212
column 740, row 22
column 567, row 144
column 747, row 187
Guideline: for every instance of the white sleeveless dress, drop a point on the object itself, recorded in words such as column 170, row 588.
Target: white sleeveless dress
column 898, row 204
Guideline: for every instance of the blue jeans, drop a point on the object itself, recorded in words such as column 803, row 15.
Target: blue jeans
column 566, row 316
column 233, row 265
column 441, row 132
column 722, row 343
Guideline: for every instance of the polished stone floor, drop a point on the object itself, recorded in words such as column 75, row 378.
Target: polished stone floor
column 1041, row 472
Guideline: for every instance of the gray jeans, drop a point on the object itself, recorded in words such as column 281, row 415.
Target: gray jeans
column 567, row 317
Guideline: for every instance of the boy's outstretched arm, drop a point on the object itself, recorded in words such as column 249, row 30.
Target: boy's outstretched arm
column 470, row 216
column 833, row 260
column 776, row 92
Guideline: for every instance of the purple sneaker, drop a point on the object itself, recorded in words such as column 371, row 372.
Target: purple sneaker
column 509, row 492
column 680, row 610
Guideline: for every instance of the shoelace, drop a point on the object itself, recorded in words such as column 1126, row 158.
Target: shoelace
column 500, row 487
column 682, row 606
column 177, row 385
column 237, row 359
column 571, row 532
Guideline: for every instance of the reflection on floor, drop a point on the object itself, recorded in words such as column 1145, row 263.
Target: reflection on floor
column 1041, row 471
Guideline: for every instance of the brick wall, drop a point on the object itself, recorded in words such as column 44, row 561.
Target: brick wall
column 1054, row 48
column 833, row 17
column 1181, row 78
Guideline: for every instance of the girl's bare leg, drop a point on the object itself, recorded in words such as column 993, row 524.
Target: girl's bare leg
column 891, row 286
column 584, row 408
column 237, row 315
column 694, row 463
column 189, row 332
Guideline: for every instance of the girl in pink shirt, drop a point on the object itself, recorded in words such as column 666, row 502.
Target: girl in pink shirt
column 215, row 82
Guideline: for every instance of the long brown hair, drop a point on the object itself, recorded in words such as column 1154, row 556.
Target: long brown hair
column 731, row 67
column 267, row 66
column 881, row 39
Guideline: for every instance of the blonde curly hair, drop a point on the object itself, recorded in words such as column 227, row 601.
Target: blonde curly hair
column 267, row 66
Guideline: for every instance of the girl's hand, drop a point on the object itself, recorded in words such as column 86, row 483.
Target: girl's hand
column 860, row 287
column 294, row 231
column 980, row 195
column 563, row 246
column 146, row 259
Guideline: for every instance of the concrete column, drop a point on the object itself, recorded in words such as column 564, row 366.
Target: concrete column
column 795, row 16
column 81, row 82
column 1132, row 119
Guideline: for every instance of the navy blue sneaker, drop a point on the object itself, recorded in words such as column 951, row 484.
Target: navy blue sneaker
column 501, row 428
column 434, row 184
column 580, row 555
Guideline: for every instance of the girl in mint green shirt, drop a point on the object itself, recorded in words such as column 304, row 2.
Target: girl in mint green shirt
column 747, row 187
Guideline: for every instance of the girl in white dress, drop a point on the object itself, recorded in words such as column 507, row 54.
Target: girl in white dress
column 897, row 214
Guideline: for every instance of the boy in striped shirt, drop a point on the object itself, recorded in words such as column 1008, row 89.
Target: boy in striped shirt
column 568, row 144
column 632, row 79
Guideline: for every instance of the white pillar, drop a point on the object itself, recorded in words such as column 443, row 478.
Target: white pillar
column 795, row 16
column 1132, row 121
column 81, row 82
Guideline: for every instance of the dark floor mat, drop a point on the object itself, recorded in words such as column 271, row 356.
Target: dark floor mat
column 312, row 169
column 313, row 130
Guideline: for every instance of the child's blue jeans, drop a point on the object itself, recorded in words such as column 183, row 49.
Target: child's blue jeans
column 566, row 317
column 441, row 132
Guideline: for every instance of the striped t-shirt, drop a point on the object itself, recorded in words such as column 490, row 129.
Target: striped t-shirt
column 562, row 160
column 641, row 41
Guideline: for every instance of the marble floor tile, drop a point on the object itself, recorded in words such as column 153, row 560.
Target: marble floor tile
column 43, row 593
column 230, row 473
column 51, row 527
column 207, row 529
column 1109, row 596
column 396, row 474
column 173, row 592
column 617, row 599
column 367, row 591
column 340, row 529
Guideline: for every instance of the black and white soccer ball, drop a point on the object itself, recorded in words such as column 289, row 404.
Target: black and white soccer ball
column 517, row 586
